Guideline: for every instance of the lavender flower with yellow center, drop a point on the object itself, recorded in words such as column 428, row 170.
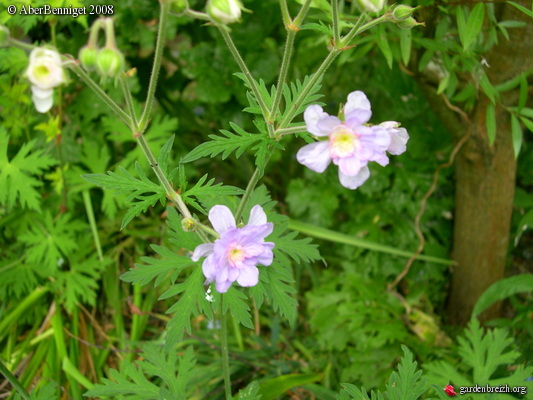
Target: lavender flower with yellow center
column 234, row 256
column 352, row 144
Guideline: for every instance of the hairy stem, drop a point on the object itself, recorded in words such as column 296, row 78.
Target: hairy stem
column 287, row 54
column 244, row 69
column 100, row 92
column 163, row 17
column 335, row 22
column 285, row 13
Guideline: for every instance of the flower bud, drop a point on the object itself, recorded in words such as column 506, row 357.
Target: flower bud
column 188, row 224
column 224, row 11
column 87, row 57
column 4, row 35
column 408, row 23
column 109, row 62
column 371, row 5
column 178, row 6
column 402, row 12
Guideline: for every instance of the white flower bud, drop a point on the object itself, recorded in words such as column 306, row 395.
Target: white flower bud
column 224, row 11
column 371, row 5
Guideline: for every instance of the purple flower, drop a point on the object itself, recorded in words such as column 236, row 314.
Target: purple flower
column 351, row 144
column 235, row 254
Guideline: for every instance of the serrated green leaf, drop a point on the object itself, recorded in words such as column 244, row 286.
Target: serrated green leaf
column 516, row 131
column 293, row 91
column 207, row 189
column 250, row 393
column 491, row 123
column 157, row 268
column 142, row 193
column 407, row 382
column 17, row 181
column 236, row 142
column 192, row 301
column 234, row 301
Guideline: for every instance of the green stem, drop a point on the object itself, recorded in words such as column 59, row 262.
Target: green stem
column 93, row 34
column 335, row 22
column 99, row 91
column 291, row 130
column 285, row 13
column 246, row 196
column 197, row 15
column 129, row 101
column 358, row 28
column 21, row 45
column 14, row 381
column 206, row 229
column 301, row 15
column 244, row 69
column 287, row 54
column 225, row 352
column 110, row 41
column 305, row 91
column 92, row 223
column 163, row 17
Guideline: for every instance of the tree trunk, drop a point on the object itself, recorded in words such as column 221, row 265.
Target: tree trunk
column 485, row 176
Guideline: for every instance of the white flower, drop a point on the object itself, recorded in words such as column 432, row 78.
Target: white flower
column 371, row 5
column 224, row 11
column 44, row 73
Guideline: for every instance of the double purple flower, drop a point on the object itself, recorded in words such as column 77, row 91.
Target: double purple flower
column 351, row 144
column 235, row 254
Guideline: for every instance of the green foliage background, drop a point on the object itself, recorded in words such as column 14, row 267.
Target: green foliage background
column 65, row 242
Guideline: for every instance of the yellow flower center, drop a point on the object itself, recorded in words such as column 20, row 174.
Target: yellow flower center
column 342, row 142
column 236, row 254
column 41, row 71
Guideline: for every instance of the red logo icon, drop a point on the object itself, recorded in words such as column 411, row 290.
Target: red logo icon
column 450, row 391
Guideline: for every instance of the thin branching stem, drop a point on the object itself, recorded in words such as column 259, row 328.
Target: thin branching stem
column 287, row 54
column 285, row 13
column 335, row 22
column 225, row 352
column 160, row 43
column 129, row 101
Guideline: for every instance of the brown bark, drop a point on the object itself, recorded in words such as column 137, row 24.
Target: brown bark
column 485, row 177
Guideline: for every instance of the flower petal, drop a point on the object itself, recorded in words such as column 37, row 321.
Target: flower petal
column 202, row 250
column 353, row 182
column 209, row 269
column 328, row 124
column 222, row 286
column 267, row 256
column 357, row 109
column 398, row 136
column 248, row 277
column 221, row 218
column 315, row 156
column 312, row 115
column 257, row 216
column 350, row 166
column 43, row 104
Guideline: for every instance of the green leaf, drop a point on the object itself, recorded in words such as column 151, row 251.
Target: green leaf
column 225, row 145
column 489, row 90
column 517, row 135
column 529, row 13
column 491, row 123
column 142, row 193
column 235, row 302
column 132, row 383
column 407, row 382
column 157, row 268
column 192, row 301
column 461, row 24
column 271, row 388
column 292, row 92
column 473, row 25
column 165, row 154
column 405, row 45
column 383, row 45
column 528, row 123
column 443, row 84
column 203, row 190
column 250, row 393
column 503, row 289
column 178, row 237
column 17, row 181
